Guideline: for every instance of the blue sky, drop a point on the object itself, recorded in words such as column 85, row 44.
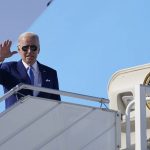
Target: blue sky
column 87, row 41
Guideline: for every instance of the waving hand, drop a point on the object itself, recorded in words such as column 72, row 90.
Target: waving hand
column 5, row 51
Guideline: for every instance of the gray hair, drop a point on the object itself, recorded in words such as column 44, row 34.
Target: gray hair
column 30, row 34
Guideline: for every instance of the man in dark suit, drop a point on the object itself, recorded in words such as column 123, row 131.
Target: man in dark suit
column 13, row 73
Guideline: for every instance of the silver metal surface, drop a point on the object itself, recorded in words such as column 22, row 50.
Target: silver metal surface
column 41, row 124
column 18, row 15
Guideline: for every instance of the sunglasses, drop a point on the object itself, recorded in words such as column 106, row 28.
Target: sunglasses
column 32, row 48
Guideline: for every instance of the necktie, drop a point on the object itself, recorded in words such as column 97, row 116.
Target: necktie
column 31, row 75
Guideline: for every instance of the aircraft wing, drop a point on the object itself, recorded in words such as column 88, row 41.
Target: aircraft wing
column 16, row 16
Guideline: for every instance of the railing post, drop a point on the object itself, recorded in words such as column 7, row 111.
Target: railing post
column 128, row 129
column 140, row 118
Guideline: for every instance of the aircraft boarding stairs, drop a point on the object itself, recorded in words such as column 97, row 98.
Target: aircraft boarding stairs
column 43, row 124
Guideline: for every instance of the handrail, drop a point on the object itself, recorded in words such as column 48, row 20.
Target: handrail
column 128, row 137
column 52, row 91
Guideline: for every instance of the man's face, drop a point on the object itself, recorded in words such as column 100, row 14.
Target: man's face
column 29, row 49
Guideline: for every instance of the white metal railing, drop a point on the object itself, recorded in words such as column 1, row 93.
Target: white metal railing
column 128, row 129
column 140, row 94
column 52, row 91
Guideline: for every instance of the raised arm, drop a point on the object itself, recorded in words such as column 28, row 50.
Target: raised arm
column 5, row 51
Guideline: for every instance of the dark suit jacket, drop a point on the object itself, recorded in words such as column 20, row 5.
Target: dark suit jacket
column 13, row 73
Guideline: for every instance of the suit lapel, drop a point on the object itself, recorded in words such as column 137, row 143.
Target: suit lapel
column 23, row 73
column 44, row 76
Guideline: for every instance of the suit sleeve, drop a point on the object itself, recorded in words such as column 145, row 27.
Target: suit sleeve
column 6, row 79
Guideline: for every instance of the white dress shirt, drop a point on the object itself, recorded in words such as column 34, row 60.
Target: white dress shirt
column 37, row 75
